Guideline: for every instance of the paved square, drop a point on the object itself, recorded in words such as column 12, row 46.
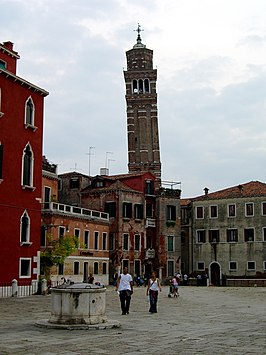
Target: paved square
column 203, row 320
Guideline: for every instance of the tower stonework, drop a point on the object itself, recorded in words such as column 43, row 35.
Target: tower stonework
column 142, row 113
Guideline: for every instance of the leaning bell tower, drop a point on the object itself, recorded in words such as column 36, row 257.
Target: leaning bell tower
column 142, row 113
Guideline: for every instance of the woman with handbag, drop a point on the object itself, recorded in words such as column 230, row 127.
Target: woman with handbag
column 153, row 288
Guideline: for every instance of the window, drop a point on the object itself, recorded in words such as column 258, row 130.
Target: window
column 111, row 241
column 214, row 211
column 24, row 267
column 249, row 208
column 74, row 183
column 27, row 169
column 141, row 86
column 96, row 240
column 149, row 187
column 61, row 269
column 199, row 212
column 47, row 197
column 86, row 239
column 137, row 242
column 263, row 208
column 96, row 268
column 201, row 236
column 170, row 268
column 231, row 210
column 201, row 266
column 110, row 207
column 149, row 210
column 232, row 235
column 104, row 268
column 61, row 232
column 264, row 265
column 251, row 266
column 29, row 112
column 232, row 265
column 104, row 235
column 125, row 242
column 213, row 235
column 249, row 234
column 137, row 268
column 127, row 209
column 264, row 234
column 77, row 235
column 24, row 228
column 1, row 160
column 76, row 268
column 43, row 236
column 138, row 211
column 2, row 64
column 147, row 85
column 149, row 242
column 98, row 183
column 125, row 263
column 170, row 213
column 170, row 243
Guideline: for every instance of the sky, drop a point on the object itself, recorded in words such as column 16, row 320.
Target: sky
column 211, row 61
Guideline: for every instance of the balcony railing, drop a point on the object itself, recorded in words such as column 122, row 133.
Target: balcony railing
column 74, row 210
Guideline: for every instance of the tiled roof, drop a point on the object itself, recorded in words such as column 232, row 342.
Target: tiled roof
column 117, row 185
column 72, row 173
column 129, row 175
column 184, row 201
column 249, row 189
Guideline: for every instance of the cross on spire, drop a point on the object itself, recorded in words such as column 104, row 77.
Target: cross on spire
column 138, row 30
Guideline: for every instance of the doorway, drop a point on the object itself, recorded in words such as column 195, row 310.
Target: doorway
column 215, row 274
column 85, row 271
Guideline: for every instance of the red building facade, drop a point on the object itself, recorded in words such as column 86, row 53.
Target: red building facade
column 21, row 134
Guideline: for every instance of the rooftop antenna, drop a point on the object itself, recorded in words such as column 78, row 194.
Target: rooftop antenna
column 106, row 159
column 89, row 155
column 75, row 168
column 109, row 162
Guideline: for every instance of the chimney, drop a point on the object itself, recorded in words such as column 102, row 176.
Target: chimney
column 240, row 187
column 8, row 45
column 104, row 171
column 206, row 190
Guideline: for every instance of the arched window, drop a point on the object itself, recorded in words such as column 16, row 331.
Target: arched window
column 135, row 87
column 29, row 112
column 96, row 268
column 140, row 86
column 25, row 228
column 147, row 85
column 27, row 169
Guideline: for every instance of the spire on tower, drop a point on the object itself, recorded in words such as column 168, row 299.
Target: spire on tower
column 139, row 44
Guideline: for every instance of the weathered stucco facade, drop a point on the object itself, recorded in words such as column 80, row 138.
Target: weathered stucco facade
column 229, row 233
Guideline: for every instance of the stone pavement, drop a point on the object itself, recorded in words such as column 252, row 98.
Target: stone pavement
column 203, row 320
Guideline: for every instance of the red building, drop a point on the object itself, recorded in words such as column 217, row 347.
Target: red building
column 21, row 134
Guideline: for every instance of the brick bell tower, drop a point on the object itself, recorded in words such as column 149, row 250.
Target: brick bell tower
column 142, row 112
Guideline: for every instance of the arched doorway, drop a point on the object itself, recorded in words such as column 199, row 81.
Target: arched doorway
column 215, row 274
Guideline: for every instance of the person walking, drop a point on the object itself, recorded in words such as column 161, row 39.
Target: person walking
column 175, row 284
column 124, row 286
column 153, row 288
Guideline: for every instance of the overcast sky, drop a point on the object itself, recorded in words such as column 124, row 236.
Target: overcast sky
column 211, row 61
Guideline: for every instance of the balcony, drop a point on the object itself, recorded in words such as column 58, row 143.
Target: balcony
column 56, row 207
column 150, row 223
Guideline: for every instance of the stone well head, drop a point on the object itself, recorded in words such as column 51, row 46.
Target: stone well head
column 78, row 303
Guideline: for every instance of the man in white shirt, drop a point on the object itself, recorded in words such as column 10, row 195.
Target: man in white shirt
column 125, row 287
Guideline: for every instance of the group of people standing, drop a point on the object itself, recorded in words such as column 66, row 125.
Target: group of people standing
column 124, row 286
